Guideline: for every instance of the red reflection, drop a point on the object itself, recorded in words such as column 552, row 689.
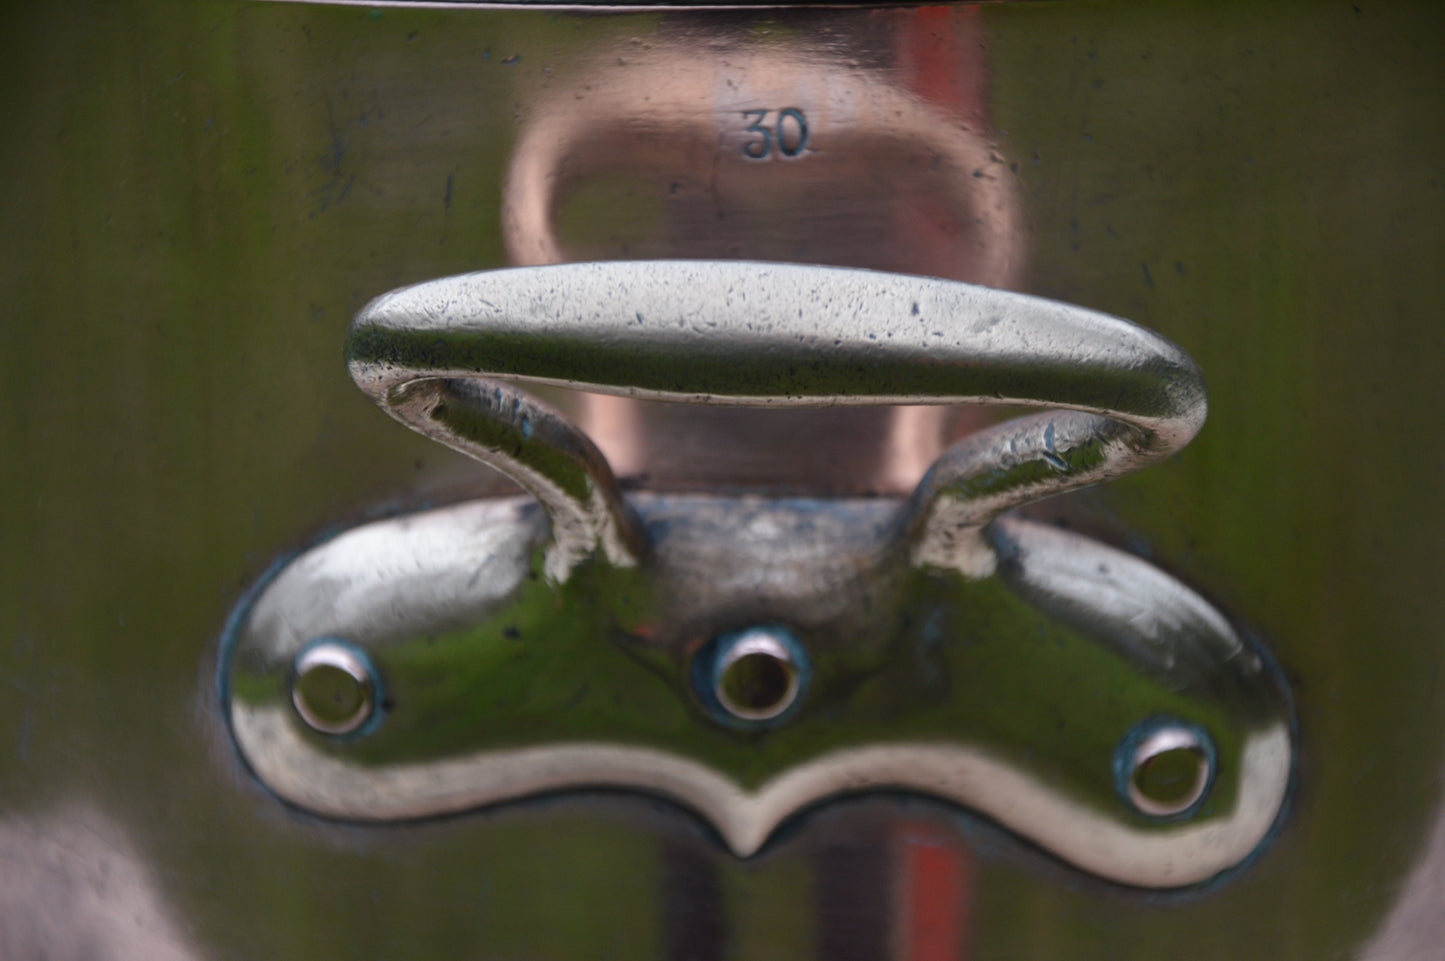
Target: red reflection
column 936, row 888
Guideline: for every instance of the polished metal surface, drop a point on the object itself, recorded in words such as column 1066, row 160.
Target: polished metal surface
column 697, row 114
column 501, row 689
column 789, row 145
column 773, row 335
column 449, row 604
column 204, row 194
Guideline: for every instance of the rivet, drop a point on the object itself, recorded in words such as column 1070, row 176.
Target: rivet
column 756, row 674
column 333, row 687
column 1166, row 768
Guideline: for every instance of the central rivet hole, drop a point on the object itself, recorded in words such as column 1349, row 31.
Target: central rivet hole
column 756, row 684
column 757, row 675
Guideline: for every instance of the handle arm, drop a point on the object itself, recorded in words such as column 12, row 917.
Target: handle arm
column 772, row 334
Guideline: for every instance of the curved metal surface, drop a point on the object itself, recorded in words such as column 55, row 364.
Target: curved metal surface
column 860, row 124
column 204, row 194
column 779, row 335
column 767, row 334
column 463, row 632
column 702, row 117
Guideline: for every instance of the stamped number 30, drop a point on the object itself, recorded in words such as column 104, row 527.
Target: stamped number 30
column 787, row 134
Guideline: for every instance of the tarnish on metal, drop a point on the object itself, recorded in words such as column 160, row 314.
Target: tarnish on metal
column 952, row 651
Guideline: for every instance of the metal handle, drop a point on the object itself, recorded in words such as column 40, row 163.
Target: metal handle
column 767, row 653
column 433, row 355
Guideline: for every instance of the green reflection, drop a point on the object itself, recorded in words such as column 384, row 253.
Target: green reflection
column 203, row 193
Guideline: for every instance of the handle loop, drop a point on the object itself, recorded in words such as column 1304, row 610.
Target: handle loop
column 437, row 356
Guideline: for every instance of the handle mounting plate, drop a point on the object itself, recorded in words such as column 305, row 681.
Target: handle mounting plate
column 933, row 643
